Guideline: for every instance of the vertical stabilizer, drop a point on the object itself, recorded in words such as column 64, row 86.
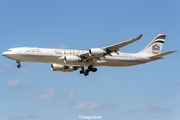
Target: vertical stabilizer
column 155, row 46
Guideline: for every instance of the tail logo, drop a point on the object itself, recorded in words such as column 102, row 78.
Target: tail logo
column 155, row 49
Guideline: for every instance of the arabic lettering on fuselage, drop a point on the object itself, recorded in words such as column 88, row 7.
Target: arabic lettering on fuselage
column 71, row 52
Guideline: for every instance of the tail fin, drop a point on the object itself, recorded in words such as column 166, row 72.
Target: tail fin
column 155, row 46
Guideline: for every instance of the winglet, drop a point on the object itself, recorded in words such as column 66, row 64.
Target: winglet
column 139, row 37
column 159, row 56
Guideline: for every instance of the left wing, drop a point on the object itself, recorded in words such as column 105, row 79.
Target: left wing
column 116, row 47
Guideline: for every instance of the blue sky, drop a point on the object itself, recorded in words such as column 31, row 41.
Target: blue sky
column 34, row 92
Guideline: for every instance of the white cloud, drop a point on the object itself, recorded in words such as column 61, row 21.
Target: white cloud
column 86, row 106
column 109, row 106
column 71, row 95
column 31, row 117
column 93, row 106
column 17, row 118
column 62, row 46
column 174, row 83
column 149, row 109
column 13, row 83
column 46, row 94
column 4, row 67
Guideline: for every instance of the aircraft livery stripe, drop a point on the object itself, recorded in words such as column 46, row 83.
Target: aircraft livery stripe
column 161, row 37
column 159, row 40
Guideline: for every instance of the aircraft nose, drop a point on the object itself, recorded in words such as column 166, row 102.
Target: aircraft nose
column 8, row 54
column 5, row 54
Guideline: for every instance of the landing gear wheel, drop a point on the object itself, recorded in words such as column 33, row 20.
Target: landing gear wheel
column 91, row 68
column 81, row 71
column 94, row 69
column 86, row 73
column 18, row 66
column 18, row 62
column 87, row 70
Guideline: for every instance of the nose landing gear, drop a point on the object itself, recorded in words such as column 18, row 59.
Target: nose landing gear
column 19, row 65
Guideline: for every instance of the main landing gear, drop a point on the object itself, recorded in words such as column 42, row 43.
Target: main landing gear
column 19, row 65
column 89, row 69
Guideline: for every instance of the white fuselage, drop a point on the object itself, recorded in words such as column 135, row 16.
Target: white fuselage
column 46, row 55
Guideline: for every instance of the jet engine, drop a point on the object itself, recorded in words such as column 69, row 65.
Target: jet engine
column 62, row 68
column 72, row 59
column 97, row 52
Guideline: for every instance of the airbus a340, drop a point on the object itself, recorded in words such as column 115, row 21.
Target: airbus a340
column 66, row 60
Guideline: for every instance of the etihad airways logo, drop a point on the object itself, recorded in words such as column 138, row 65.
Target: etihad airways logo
column 155, row 49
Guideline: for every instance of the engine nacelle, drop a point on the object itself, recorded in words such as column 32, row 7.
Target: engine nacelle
column 62, row 68
column 97, row 52
column 72, row 59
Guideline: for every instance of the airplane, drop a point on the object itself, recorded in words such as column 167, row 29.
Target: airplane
column 67, row 60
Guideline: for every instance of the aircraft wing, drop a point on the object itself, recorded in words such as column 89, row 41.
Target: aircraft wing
column 162, row 55
column 115, row 47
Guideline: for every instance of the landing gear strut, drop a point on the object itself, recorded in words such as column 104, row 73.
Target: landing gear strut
column 19, row 65
column 85, row 72
column 82, row 70
column 89, row 69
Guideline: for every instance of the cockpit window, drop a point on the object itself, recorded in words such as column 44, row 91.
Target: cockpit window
column 9, row 50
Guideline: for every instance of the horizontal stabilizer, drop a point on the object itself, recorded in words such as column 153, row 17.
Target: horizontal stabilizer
column 162, row 55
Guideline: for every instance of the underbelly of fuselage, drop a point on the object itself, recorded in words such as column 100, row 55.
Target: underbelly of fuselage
column 55, row 59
